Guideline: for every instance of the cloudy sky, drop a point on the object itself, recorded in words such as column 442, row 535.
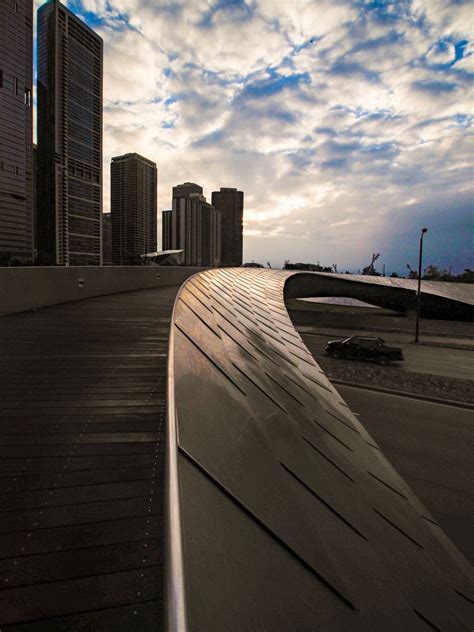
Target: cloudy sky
column 346, row 123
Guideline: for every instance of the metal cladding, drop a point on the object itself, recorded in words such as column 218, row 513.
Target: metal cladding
column 453, row 301
column 282, row 512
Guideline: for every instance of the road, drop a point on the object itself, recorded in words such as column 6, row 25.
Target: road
column 419, row 359
column 431, row 446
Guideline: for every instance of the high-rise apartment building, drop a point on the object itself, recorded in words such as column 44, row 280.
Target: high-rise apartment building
column 195, row 227
column 34, row 197
column 106, row 239
column 16, row 140
column 166, row 240
column 69, row 191
column 230, row 203
column 133, row 206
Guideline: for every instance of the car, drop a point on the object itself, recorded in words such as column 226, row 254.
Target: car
column 364, row 348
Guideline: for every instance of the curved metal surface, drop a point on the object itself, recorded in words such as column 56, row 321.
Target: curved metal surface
column 453, row 301
column 290, row 516
column 175, row 590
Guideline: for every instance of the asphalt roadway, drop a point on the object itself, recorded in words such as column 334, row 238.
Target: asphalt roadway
column 431, row 446
column 420, row 358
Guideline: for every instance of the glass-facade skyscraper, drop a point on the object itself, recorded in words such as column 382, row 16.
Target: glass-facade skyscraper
column 230, row 203
column 16, row 140
column 133, row 208
column 193, row 226
column 69, row 184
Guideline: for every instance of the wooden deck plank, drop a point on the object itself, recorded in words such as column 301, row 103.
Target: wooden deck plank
column 82, row 401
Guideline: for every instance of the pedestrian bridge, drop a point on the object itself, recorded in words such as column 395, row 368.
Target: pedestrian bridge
column 282, row 511
column 274, row 509
column 442, row 300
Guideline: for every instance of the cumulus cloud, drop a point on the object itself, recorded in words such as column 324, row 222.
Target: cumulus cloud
column 346, row 123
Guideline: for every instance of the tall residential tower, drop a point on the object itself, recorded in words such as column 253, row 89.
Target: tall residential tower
column 193, row 226
column 16, row 140
column 230, row 203
column 69, row 172
column 166, row 241
column 133, row 207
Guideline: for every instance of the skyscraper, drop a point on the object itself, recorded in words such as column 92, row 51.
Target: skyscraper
column 106, row 239
column 195, row 227
column 230, row 203
column 133, row 206
column 69, row 138
column 166, row 240
column 16, row 140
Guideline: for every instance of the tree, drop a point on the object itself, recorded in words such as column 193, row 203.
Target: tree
column 433, row 273
column 370, row 270
column 466, row 277
column 310, row 267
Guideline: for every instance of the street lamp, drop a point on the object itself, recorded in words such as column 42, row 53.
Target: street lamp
column 418, row 296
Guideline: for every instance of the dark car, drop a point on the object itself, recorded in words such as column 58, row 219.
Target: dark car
column 364, row 348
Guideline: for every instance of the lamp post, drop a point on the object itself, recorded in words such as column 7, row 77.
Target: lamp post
column 418, row 295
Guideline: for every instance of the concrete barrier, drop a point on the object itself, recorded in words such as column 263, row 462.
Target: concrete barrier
column 22, row 289
column 379, row 322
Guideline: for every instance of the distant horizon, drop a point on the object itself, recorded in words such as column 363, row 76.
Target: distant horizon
column 347, row 125
column 357, row 271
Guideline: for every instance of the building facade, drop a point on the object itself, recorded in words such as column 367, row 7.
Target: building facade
column 193, row 226
column 69, row 191
column 133, row 207
column 230, row 203
column 166, row 241
column 106, row 239
column 16, row 130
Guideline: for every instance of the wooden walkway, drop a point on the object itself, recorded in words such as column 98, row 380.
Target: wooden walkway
column 82, row 403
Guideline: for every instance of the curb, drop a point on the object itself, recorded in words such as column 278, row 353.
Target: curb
column 408, row 394
column 443, row 345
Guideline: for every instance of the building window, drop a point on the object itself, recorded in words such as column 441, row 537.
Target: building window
column 16, row 170
column 1, row 78
column 16, row 85
column 27, row 96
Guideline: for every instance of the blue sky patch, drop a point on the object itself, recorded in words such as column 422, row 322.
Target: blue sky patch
column 435, row 87
column 274, row 84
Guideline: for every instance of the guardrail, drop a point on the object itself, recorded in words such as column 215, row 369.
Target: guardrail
column 282, row 511
column 23, row 289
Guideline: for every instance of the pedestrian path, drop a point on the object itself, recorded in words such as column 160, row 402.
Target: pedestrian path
column 82, row 401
